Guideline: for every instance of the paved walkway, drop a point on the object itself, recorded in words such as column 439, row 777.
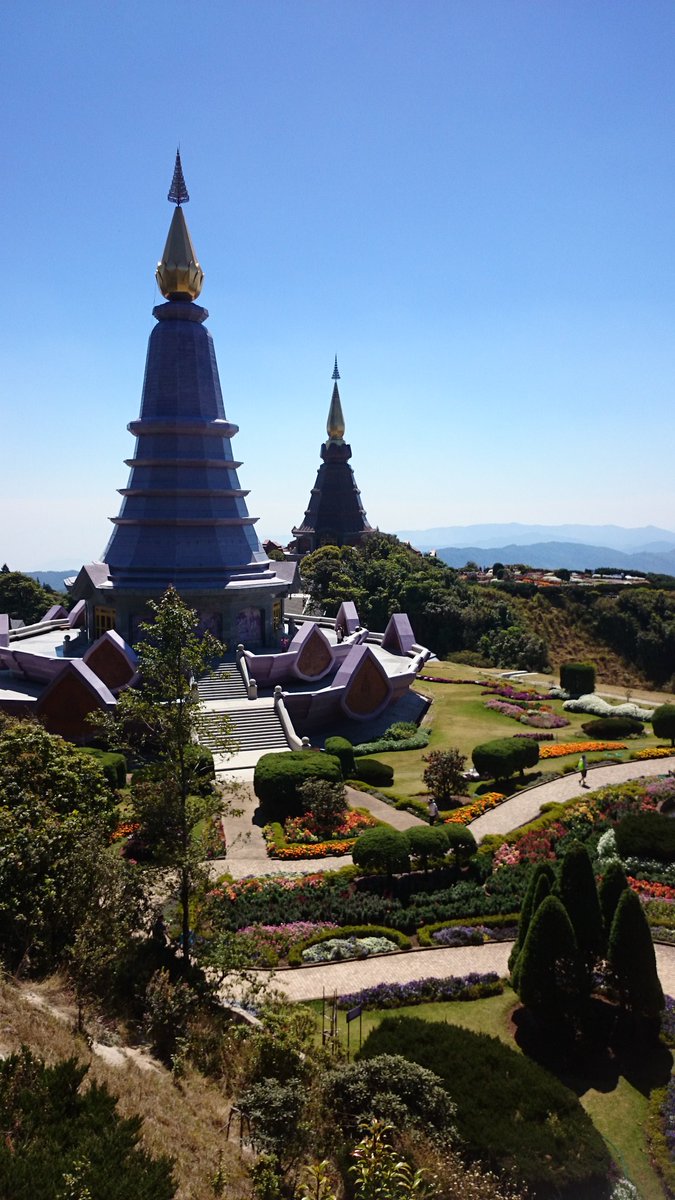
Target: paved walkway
column 525, row 806
column 310, row 983
column 246, row 853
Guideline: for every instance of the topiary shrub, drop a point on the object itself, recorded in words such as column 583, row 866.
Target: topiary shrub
column 507, row 1106
column 646, row 835
column 113, row 765
column 612, row 728
column 343, row 750
column 663, row 722
column 577, row 678
column 461, row 842
column 502, row 757
column 390, row 1087
column 427, row 841
column 277, row 778
column 374, row 772
column 381, row 850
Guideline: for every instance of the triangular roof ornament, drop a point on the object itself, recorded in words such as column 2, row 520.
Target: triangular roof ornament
column 178, row 193
column 336, row 373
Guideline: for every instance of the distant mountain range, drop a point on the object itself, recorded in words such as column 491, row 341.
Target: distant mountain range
column 53, row 578
column 576, row 556
column 487, row 537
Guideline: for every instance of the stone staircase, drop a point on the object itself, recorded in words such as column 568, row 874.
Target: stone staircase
column 225, row 683
column 252, row 728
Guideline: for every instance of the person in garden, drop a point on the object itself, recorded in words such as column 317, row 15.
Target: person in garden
column 433, row 811
column 582, row 767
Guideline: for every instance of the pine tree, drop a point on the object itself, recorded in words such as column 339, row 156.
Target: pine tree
column 633, row 961
column 541, row 870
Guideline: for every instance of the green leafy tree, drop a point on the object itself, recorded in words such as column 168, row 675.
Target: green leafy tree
column 56, row 1135
column 443, row 775
column 56, row 816
column 380, row 1173
column 579, row 894
column 633, row 961
column 326, row 801
column 23, row 598
column 663, row 722
column 550, row 973
column 388, row 1086
column 163, row 716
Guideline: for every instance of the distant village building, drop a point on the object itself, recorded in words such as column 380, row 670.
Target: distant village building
column 335, row 515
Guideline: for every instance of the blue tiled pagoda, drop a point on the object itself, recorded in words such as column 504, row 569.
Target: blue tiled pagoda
column 335, row 515
column 183, row 519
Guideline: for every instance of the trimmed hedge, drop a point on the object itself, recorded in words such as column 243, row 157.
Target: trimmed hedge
column 113, row 765
column 646, row 835
column 430, row 990
column 663, row 722
column 381, row 849
column 371, row 770
column 343, row 750
column 347, row 931
column 511, row 1113
column 497, row 921
column 385, row 745
column 278, row 775
column 502, row 757
column 612, row 728
column 577, row 678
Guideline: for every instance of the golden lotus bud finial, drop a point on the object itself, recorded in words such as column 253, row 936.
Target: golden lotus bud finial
column 179, row 275
column 335, row 425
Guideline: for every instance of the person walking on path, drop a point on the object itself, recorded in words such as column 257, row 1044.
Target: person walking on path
column 582, row 767
column 433, row 811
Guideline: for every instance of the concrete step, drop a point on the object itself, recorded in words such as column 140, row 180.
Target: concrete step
column 225, row 683
column 251, row 728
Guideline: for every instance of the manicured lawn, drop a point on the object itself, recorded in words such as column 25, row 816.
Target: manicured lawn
column 619, row 1114
column 458, row 718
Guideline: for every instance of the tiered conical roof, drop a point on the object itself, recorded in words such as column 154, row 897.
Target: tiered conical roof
column 184, row 518
column 335, row 515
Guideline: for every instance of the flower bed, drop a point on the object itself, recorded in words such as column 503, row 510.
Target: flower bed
column 469, row 812
column 124, row 830
column 339, row 949
column 536, row 737
column 541, row 719
column 654, row 752
column 298, row 838
column 425, row 991
column 560, row 749
column 317, row 850
column 498, row 928
column 651, row 890
column 370, row 934
column 270, row 943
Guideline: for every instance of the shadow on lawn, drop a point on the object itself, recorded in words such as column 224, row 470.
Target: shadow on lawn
column 606, row 1051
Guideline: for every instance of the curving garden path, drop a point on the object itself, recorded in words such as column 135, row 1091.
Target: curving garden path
column 247, row 856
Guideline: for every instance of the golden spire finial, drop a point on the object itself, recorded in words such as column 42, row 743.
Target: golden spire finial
column 179, row 275
column 335, row 426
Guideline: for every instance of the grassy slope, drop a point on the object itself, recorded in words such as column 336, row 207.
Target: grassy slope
column 186, row 1118
column 619, row 1115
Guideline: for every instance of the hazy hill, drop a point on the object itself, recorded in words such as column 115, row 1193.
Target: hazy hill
column 53, row 578
column 648, row 537
column 576, row 556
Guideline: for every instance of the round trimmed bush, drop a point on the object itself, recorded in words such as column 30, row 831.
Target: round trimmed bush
column 461, row 842
column 374, row 772
column 343, row 750
column 612, row 728
column 663, row 722
column 577, row 678
column 278, row 776
column 427, row 841
column 381, row 849
column 502, row 757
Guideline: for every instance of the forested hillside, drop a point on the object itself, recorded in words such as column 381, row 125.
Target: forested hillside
column 629, row 633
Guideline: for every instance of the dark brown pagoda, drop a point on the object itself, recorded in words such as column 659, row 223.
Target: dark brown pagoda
column 335, row 515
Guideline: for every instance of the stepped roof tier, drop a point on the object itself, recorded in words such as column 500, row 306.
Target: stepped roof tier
column 335, row 515
column 184, row 519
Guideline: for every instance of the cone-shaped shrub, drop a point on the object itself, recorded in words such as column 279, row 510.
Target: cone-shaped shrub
column 633, row 961
column 539, row 871
column 550, row 976
column 580, row 896
column 613, row 884
column 543, row 888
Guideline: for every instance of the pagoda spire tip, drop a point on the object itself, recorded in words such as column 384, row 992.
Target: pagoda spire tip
column 178, row 193
column 336, row 373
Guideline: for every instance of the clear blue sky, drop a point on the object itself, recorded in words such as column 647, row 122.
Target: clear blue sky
column 471, row 201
